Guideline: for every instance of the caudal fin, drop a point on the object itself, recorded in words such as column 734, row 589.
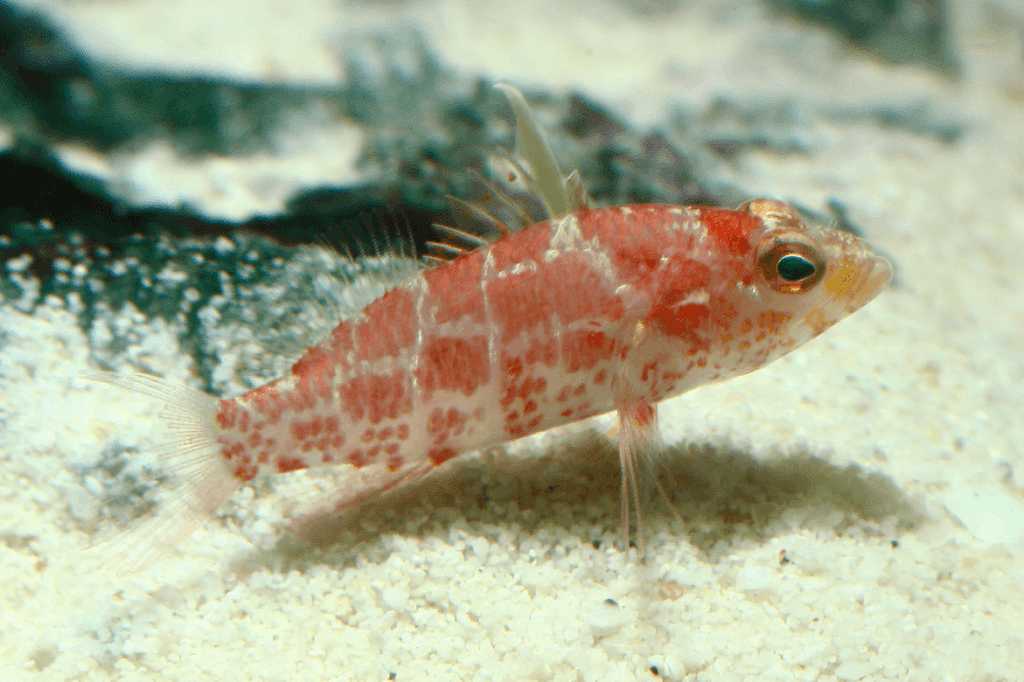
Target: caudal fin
column 191, row 480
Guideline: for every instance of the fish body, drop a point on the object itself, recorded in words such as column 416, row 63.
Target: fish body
column 587, row 312
column 595, row 311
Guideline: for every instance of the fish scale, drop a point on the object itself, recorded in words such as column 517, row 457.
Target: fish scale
column 598, row 310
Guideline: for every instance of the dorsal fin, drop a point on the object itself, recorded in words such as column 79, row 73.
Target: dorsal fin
column 529, row 188
column 355, row 264
column 533, row 148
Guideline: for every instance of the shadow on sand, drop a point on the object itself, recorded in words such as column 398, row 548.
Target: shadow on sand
column 716, row 496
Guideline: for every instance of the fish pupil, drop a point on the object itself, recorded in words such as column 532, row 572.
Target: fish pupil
column 793, row 267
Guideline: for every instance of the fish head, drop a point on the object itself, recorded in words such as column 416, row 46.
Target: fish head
column 793, row 281
column 814, row 275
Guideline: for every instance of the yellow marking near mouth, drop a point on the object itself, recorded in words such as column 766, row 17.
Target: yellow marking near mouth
column 845, row 281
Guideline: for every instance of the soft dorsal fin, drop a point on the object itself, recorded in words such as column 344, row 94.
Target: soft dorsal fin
column 354, row 265
column 529, row 189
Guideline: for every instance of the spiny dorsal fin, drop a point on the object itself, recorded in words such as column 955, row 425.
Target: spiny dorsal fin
column 532, row 147
column 530, row 188
column 578, row 197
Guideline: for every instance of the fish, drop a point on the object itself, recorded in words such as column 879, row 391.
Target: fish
column 535, row 311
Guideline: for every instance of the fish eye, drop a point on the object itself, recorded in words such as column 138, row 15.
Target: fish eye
column 790, row 264
column 793, row 267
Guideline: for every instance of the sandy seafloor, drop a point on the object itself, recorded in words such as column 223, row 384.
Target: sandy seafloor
column 885, row 458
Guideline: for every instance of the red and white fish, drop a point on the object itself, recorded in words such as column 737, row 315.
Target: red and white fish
column 588, row 311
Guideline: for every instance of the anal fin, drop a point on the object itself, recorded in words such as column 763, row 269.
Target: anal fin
column 316, row 519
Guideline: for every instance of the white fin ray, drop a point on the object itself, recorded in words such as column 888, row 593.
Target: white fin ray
column 639, row 446
column 192, row 480
column 638, row 439
column 533, row 148
column 345, row 490
column 578, row 197
column 368, row 262
column 530, row 188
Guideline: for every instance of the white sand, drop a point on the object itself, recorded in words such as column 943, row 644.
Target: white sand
column 903, row 424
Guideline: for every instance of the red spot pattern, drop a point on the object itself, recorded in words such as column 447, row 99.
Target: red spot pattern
column 519, row 303
column 227, row 414
column 732, row 229
column 232, row 451
column 521, row 247
column 316, row 363
column 441, row 455
column 243, row 467
column 643, row 414
column 515, row 385
column 267, row 400
column 681, row 277
column 582, row 292
column 517, row 428
column 568, row 285
column 724, row 314
column 245, row 472
column 525, row 307
column 637, row 240
column 356, row 459
column 341, row 344
column 583, row 349
column 683, row 322
column 390, row 326
column 286, row 464
column 375, row 398
column 313, row 428
column 302, row 396
column 454, row 364
column 442, row 424
column 541, row 352
column 455, row 290
column 315, row 371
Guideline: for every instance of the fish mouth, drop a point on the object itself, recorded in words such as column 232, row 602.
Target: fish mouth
column 857, row 279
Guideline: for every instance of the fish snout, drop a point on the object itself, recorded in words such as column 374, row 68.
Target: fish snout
column 857, row 277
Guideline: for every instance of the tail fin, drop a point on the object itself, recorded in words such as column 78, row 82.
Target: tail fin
column 192, row 479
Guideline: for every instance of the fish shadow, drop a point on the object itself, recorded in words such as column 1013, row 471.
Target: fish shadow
column 714, row 495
